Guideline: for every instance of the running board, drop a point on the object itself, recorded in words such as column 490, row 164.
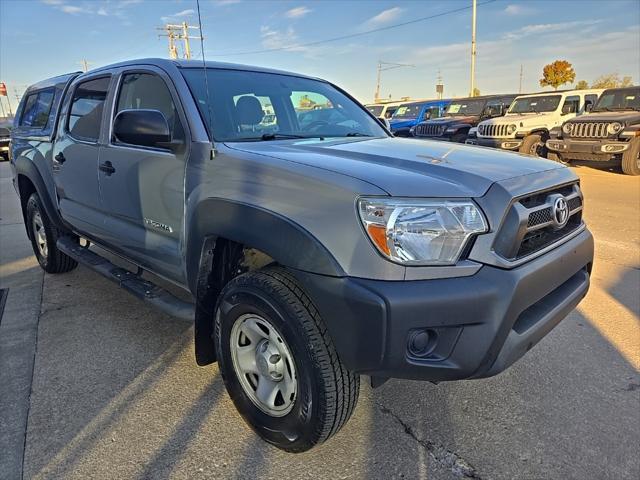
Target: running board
column 133, row 283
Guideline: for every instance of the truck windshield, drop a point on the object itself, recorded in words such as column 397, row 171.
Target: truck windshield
column 260, row 106
column 464, row 107
column 624, row 99
column 547, row 103
column 408, row 111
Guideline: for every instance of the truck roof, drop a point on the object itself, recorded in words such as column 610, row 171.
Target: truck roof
column 563, row 92
column 53, row 81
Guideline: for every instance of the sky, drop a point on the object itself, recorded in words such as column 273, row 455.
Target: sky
column 44, row 38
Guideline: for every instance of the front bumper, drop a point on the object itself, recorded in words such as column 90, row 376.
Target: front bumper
column 503, row 143
column 604, row 149
column 454, row 328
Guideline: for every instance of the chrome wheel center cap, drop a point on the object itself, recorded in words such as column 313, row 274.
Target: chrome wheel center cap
column 269, row 360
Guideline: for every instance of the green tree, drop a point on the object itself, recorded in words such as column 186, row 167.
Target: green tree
column 557, row 73
column 612, row 80
column 582, row 85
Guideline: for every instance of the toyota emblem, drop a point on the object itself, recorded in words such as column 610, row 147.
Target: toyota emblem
column 560, row 212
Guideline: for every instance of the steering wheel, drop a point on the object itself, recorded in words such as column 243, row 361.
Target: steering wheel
column 313, row 126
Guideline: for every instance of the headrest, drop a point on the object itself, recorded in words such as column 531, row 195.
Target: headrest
column 249, row 110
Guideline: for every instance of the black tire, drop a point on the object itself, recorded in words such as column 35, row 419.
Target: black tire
column 631, row 158
column 459, row 138
column 533, row 145
column 327, row 392
column 51, row 260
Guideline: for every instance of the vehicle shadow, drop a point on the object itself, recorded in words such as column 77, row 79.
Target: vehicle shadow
column 559, row 412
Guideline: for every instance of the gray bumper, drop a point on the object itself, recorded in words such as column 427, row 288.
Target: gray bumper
column 603, row 149
column 469, row 327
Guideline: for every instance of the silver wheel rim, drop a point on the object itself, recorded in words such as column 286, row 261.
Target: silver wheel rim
column 263, row 364
column 39, row 234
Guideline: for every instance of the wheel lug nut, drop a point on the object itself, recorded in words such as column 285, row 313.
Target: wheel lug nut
column 275, row 358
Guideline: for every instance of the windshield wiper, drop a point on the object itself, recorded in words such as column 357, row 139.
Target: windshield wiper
column 356, row 134
column 278, row 136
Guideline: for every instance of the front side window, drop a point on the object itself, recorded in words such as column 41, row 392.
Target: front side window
column 571, row 105
column 146, row 91
column 375, row 109
column 257, row 106
column 547, row 103
column 36, row 109
column 85, row 114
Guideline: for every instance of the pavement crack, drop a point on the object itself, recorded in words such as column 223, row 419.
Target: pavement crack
column 445, row 457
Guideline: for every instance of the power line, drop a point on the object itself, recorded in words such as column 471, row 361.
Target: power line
column 176, row 33
column 352, row 35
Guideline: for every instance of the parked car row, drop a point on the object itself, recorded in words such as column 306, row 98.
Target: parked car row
column 595, row 124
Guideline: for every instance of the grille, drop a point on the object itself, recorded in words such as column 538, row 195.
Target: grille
column 427, row 130
column 493, row 130
column 588, row 129
column 530, row 225
column 539, row 239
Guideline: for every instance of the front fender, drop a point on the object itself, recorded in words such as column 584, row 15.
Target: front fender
column 285, row 241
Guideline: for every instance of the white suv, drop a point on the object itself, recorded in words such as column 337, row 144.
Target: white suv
column 530, row 118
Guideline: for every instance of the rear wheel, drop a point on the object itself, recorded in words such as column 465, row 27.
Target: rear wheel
column 631, row 158
column 44, row 235
column 278, row 361
column 533, row 145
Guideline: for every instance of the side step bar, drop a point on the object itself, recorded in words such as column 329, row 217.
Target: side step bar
column 133, row 283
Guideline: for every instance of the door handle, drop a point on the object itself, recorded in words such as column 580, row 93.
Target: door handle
column 60, row 158
column 107, row 168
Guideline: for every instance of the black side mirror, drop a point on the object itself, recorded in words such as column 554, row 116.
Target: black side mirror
column 566, row 109
column 146, row 128
column 588, row 107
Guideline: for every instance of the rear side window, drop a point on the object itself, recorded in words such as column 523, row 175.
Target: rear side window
column 36, row 109
column 146, row 91
column 85, row 114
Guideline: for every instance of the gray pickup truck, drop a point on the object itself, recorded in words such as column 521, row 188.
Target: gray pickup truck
column 316, row 248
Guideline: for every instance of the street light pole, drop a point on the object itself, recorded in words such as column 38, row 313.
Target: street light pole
column 473, row 49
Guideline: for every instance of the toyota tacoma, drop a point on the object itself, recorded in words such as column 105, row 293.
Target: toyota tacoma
column 312, row 253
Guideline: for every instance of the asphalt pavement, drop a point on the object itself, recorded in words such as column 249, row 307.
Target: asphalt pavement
column 95, row 384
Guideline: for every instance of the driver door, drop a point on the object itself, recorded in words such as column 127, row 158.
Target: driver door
column 143, row 187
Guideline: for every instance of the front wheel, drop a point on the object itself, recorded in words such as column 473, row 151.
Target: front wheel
column 631, row 158
column 278, row 362
column 533, row 145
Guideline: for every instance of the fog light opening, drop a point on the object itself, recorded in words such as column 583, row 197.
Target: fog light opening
column 422, row 343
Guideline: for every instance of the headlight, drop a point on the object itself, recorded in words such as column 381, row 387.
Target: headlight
column 421, row 231
column 566, row 128
column 481, row 129
column 614, row 127
column 511, row 128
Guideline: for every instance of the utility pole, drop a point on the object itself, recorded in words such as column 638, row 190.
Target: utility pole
column 473, row 49
column 520, row 88
column 85, row 65
column 384, row 66
column 439, row 86
column 176, row 33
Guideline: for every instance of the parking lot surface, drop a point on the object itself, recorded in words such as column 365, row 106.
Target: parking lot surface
column 95, row 384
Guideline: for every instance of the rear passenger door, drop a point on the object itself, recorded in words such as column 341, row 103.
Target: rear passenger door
column 143, row 189
column 76, row 151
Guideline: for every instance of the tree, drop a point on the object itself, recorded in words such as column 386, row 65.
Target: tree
column 582, row 85
column 476, row 92
column 557, row 73
column 611, row 80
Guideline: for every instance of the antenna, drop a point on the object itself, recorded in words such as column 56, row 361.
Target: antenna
column 206, row 81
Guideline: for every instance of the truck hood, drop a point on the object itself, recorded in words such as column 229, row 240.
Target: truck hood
column 626, row 117
column 406, row 167
column 453, row 120
column 526, row 119
column 409, row 122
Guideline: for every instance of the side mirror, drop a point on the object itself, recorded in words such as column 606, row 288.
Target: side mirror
column 566, row 109
column 588, row 107
column 385, row 122
column 426, row 116
column 146, row 128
